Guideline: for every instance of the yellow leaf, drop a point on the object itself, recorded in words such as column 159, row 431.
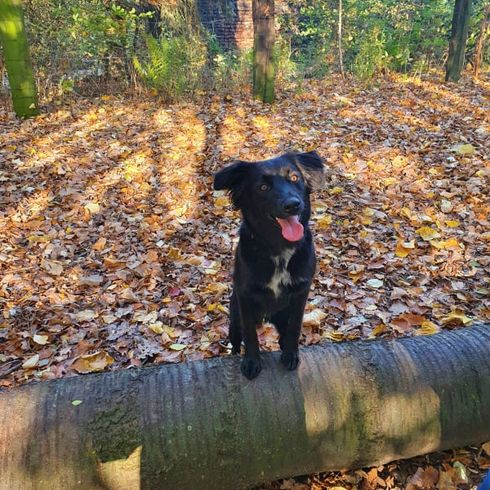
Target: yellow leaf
column 390, row 181
column 156, row 327
column 427, row 233
column 75, row 403
column 456, row 317
column 336, row 190
column 92, row 207
column 31, row 363
column 467, row 149
column 92, row 363
column 406, row 213
column 222, row 201
column 427, row 328
column 38, row 238
column 40, row 339
column 325, row 220
column 177, row 346
column 334, row 335
column 452, row 223
column 378, row 330
column 450, row 244
column 404, row 248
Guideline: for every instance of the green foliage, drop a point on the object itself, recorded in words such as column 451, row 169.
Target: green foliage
column 173, row 66
column 372, row 57
column 378, row 35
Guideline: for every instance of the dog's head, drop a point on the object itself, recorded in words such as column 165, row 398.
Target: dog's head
column 274, row 191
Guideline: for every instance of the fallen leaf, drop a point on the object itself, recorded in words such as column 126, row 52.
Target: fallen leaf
column 99, row 244
column 40, row 339
column 32, row 362
column 52, row 267
column 324, row 221
column 92, row 207
column 92, row 280
column 75, row 403
column 464, row 149
column 456, row 317
column 314, row 318
column 427, row 233
column 156, row 327
column 486, row 447
column 427, row 328
column 375, row 283
column 452, row 223
column 177, row 346
column 85, row 315
column 404, row 248
column 92, row 363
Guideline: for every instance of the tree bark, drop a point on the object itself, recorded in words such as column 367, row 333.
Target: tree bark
column 17, row 60
column 481, row 40
column 339, row 38
column 203, row 425
column 457, row 41
column 263, row 62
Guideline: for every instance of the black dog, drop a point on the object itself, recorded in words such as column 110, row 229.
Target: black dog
column 275, row 258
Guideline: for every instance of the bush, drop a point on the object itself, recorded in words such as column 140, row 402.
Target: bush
column 173, row 66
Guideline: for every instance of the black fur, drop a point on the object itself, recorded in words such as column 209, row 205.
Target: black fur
column 264, row 191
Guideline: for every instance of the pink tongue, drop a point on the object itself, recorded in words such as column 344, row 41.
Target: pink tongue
column 291, row 228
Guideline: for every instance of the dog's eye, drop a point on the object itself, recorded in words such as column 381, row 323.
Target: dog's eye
column 294, row 177
column 264, row 187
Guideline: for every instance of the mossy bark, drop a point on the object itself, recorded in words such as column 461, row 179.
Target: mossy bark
column 457, row 41
column 17, row 61
column 263, row 53
column 203, row 425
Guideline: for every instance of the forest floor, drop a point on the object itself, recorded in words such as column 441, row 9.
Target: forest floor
column 116, row 252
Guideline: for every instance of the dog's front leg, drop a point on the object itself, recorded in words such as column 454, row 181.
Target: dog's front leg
column 289, row 334
column 249, row 318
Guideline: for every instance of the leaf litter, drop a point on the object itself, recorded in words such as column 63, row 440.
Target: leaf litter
column 115, row 251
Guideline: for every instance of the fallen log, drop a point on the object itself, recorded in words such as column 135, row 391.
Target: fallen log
column 202, row 425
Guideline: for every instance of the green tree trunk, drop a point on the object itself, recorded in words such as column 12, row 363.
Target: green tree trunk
column 457, row 41
column 263, row 63
column 202, row 425
column 17, row 60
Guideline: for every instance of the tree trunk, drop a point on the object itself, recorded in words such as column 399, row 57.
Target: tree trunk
column 457, row 41
column 263, row 64
column 339, row 38
column 203, row 425
column 17, row 60
column 481, row 40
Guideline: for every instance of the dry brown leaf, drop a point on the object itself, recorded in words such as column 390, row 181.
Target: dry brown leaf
column 92, row 363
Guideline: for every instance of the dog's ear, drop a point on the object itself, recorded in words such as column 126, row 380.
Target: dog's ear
column 232, row 178
column 312, row 168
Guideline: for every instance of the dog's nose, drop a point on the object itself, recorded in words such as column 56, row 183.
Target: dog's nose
column 292, row 205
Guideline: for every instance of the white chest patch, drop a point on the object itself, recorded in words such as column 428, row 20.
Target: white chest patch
column 281, row 276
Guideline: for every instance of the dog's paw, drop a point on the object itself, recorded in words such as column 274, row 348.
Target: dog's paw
column 290, row 360
column 251, row 367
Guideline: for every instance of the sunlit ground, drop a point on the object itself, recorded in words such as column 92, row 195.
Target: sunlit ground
column 114, row 250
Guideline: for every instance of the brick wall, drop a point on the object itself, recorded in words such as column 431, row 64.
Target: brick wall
column 229, row 20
